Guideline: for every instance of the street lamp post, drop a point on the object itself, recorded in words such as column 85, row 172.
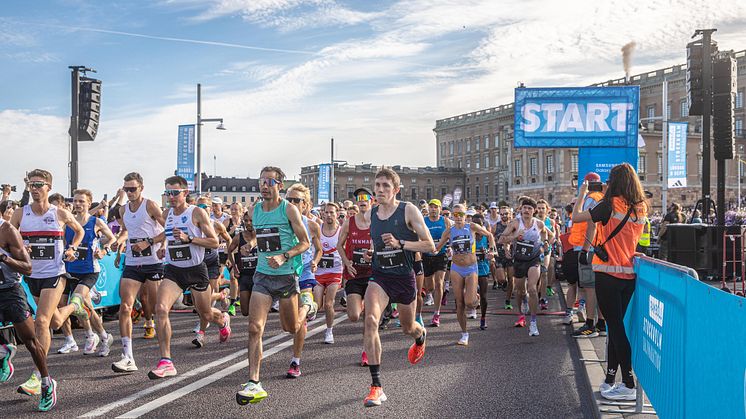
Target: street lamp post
column 664, row 144
column 200, row 120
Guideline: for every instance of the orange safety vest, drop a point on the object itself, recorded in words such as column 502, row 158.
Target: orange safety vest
column 621, row 248
column 577, row 230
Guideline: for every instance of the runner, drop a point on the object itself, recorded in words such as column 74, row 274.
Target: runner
column 142, row 220
column 300, row 196
column 527, row 234
column 436, row 264
column 41, row 225
column 354, row 242
column 281, row 240
column 234, row 225
column 14, row 262
column 484, row 257
column 397, row 230
column 221, row 217
column 542, row 214
column 464, row 269
column 85, row 271
column 188, row 230
column 504, row 261
column 329, row 272
column 245, row 266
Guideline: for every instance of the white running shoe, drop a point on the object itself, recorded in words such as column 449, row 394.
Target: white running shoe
column 90, row 344
column 464, row 341
column 604, row 387
column 620, row 392
column 581, row 313
column 472, row 314
column 276, row 306
column 68, row 347
column 106, row 345
column 533, row 330
column 429, row 299
column 569, row 317
column 329, row 337
column 124, row 365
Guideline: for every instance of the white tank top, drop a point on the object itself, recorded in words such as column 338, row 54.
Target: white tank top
column 532, row 234
column 45, row 237
column 330, row 265
column 183, row 255
column 308, row 254
column 141, row 226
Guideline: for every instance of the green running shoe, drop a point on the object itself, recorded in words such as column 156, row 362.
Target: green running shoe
column 48, row 397
column 251, row 393
column 232, row 310
column 31, row 387
column 6, row 364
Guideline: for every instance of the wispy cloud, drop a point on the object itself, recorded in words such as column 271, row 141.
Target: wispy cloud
column 32, row 57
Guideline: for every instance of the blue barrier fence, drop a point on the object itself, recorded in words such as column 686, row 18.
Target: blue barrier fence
column 688, row 343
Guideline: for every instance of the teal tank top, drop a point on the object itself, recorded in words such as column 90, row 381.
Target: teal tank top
column 275, row 236
column 436, row 231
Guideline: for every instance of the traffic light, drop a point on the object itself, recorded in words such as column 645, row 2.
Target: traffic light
column 724, row 70
column 89, row 102
column 694, row 78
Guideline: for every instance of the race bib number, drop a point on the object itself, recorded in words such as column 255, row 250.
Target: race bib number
column 42, row 248
column 249, row 262
column 389, row 258
column 81, row 253
column 268, row 239
column 179, row 252
column 327, row 261
column 208, row 251
column 358, row 256
column 461, row 244
column 148, row 251
column 523, row 250
column 481, row 255
column 501, row 252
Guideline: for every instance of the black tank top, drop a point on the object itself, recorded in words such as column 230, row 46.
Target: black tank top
column 390, row 261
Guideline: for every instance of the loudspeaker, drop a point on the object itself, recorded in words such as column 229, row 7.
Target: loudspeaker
column 700, row 247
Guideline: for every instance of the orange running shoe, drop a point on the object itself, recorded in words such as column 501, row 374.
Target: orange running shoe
column 375, row 397
column 416, row 352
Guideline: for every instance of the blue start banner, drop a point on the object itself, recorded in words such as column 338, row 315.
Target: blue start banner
column 185, row 154
column 677, row 154
column 577, row 117
column 688, row 365
column 601, row 160
column 325, row 173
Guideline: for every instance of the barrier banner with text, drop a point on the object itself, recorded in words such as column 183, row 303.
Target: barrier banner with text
column 325, row 174
column 677, row 154
column 185, row 154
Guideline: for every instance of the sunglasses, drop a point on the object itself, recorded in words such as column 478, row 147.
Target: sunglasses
column 504, row 214
column 268, row 181
column 37, row 184
column 459, row 214
column 363, row 197
column 173, row 192
column 294, row 200
column 203, row 206
column 130, row 189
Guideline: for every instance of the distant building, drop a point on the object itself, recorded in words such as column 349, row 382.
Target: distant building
column 416, row 182
column 232, row 189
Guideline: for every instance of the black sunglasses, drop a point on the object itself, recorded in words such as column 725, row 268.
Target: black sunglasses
column 295, row 200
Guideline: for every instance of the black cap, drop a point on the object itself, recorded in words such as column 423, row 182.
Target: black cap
column 362, row 190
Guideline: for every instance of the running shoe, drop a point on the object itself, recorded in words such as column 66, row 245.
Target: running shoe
column 343, row 302
column 48, row 396
column 436, row 320
column 483, row 323
column 32, row 386
column 225, row 331
column 105, row 348
column 232, row 309
column 543, row 304
column 375, row 397
column 328, row 337
column 364, row 360
column 428, row 300
column 550, row 292
column 416, row 352
column 6, row 363
column 444, row 300
column 294, row 371
column 585, row 332
column 124, row 365
column 508, row 306
column 275, row 307
column 494, row 285
column 306, row 299
column 533, row 329
column 601, row 330
column 569, row 317
column 472, row 314
column 135, row 315
column 394, row 314
column 164, row 369
column 384, row 323
column 91, row 343
column 464, row 341
column 581, row 313
column 620, row 392
column 149, row 332
column 199, row 339
column 250, row 393
column 521, row 322
column 397, row 322
column 604, row 387
column 68, row 347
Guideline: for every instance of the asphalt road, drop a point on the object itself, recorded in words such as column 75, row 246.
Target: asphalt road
column 502, row 373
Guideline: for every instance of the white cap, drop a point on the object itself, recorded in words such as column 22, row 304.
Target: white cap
column 217, row 200
column 471, row 212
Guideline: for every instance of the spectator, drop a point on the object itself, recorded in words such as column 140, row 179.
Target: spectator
column 696, row 217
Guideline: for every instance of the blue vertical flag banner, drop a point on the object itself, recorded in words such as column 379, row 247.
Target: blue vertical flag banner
column 325, row 174
column 576, row 116
column 185, row 154
column 601, row 160
column 677, row 154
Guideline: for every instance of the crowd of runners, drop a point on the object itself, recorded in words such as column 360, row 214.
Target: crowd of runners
column 386, row 257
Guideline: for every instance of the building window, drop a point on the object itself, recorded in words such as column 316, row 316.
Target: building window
column 532, row 164
column 549, row 163
column 642, row 166
column 684, row 109
column 497, row 160
column 225, row 198
column 476, row 191
column 699, row 165
column 414, row 194
column 460, row 147
column 468, row 146
column 443, row 150
column 442, row 180
column 476, row 162
column 468, row 163
column 497, row 140
column 738, row 127
column 459, row 163
column 517, row 168
column 233, row 198
column 468, row 193
column 739, row 99
column 450, row 148
column 253, row 189
column 366, row 179
column 414, row 180
column 243, row 199
column 429, row 181
column 487, row 191
column 486, row 162
column 350, row 191
column 574, row 163
column 429, row 192
column 476, row 144
column 443, row 192
column 660, row 162
column 349, row 178
column 651, row 111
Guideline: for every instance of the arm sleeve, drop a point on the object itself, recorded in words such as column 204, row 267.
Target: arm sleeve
column 601, row 212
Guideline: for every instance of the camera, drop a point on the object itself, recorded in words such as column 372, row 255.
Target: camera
column 12, row 188
column 595, row 186
column 600, row 251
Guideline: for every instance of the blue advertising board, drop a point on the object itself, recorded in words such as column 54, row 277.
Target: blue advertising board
column 677, row 154
column 576, row 116
column 601, row 160
column 185, row 154
column 325, row 174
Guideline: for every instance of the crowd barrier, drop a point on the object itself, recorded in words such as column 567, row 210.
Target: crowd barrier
column 688, row 343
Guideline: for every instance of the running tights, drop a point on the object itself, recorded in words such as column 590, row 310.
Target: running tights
column 613, row 296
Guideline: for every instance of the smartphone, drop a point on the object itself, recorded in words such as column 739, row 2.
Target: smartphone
column 106, row 197
column 595, row 186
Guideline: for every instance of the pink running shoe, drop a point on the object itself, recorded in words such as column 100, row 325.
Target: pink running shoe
column 436, row 320
column 164, row 369
column 521, row 322
column 294, row 371
column 225, row 331
column 364, row 360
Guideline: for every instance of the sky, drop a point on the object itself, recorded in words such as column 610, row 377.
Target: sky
column 287, row 75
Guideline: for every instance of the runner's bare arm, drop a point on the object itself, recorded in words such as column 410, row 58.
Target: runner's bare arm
column 16, row 218
column 19, row 259
column 69, row 220
column 443, row 240
column 203, row 222
column 221, row 232
column 296, row 223
column 506, row 237
column 316, row 240
column 104, row 230
column 416, row 222
column 123, row 234
column 230, row 250
column 341, row 242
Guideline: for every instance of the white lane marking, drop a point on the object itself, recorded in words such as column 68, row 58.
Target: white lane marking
column 174, row 380
column 183, row 391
